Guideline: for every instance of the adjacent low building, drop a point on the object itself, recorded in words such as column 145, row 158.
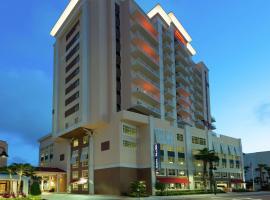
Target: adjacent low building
column 129, row 103
column 255, row 178
column 3, row 153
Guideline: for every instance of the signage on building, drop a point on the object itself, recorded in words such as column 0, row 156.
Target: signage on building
column 157, row 156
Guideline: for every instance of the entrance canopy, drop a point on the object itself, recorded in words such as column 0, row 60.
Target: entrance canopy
column 173, row 180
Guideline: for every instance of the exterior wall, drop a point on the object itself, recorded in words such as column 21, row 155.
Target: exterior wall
column 3, row 145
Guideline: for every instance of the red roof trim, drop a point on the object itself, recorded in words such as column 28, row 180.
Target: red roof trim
column 48, row 169
column 173, row 180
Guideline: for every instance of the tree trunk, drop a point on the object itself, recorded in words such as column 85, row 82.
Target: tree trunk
column 204, row 175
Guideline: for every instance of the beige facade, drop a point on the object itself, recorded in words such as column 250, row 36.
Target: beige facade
column 125, row 84
column 3, row 147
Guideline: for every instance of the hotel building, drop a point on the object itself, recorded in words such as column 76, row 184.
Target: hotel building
column 3, row 149
column 129, row 103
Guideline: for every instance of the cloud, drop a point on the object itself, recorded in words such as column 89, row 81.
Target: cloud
column 25, row 103
column 263, row 113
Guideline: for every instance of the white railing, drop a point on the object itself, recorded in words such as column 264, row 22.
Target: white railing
column 138, row 89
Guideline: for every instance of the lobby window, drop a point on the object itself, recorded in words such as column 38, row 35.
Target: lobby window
column 171, row 172
column 75, row 175
column 129, row 144
column 85, row 139
column 85, row 173
column 85, row 187
column 75, row 143
column 180, row 137
column 62, row 157
column 85, row 163
column 105, row 146
column 171, row 157
column 130, row 131
column 75, row 187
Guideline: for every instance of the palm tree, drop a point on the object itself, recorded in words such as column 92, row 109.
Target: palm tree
column 268, row 173
column 22, row 170
column 260, row 169
column 207, row 157
column 246, row 169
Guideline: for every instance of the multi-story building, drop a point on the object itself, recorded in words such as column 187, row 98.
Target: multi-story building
column 129, row 103
column 3, row 153
column 257, row 169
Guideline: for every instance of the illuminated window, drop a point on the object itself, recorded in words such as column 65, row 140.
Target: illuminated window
column 129, row 144
column 130, row 131
column 197, row 140
column 85, row 187
column 85, row 173
column 85, row 139
column 171, row 172
column 75, row 175
column 75, row 143
column 85, row 163
column 75, row 187
column 180, row 137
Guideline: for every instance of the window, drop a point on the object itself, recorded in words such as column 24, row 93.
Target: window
column 72, row 98
column 72, row 86
column 72, row 41
column 105, row 146
column 171, row 172
column 62, row 157
column 171, row 156
column 85, row 173
column 85, row 163
column 181, row 173
column 85, row 187
column 72, row 110
column 129, row 144
column 179, row 137
column 75, row 175
column 224, row 163
column 231, row 163
column 73, row 63
column 72, row 52
column 131, row 131
column 224, row 175
column 197, row 140
column 72, row 75
column 85, row 139
column 161, row 172
column 72, row 30
column 75, row 187
column 237, row 164
column 75, row 143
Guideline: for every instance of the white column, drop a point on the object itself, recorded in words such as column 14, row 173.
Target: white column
column 57, row 183
column 25, row 186
column 91, row 165
column 42, row 184
column 68, row 167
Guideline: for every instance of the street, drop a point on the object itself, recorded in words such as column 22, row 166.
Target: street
column 228, row 196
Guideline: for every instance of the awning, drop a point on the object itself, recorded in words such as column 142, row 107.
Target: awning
column 173, row 180
column 237, row 181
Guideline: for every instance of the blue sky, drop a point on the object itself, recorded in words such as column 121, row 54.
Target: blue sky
column 231, row 37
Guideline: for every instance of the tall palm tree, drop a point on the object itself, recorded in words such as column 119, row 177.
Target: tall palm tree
column 22, row 170
column 260, row 169
column 268, row 173
column 207, row 157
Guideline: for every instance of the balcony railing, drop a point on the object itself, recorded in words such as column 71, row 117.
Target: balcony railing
column 138, row 75
column 169, row 116
column 148, row 109
column 181, row 77
column 153, row 97
column 144, row 66
column 137, row 35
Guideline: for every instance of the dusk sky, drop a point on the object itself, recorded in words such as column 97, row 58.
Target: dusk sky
column 231, row 37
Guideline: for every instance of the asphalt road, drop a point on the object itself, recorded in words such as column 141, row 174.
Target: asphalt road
column 227, row 196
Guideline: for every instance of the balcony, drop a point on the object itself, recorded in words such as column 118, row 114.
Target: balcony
column 167, row 60
column 169, row 116
column 179, row 67
column 168, row 71
column 199, row 115
column 140, row 23
column 198, row 97
column 168, row 93
column 183, row 101
column 137, row 35
column 183, row 112
column 166, row 36
column 182, row 90
column 168, row 104
column 145, row 108
column 179, row 57
column 180, row 47
column 146, row 96
column 140, row 79
column 182, row 79
column 168, row 82
column 167, row 48
column 138, row 52
column 143, row 68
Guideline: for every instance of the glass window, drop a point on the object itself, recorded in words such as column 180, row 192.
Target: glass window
column 85, row 173
column 171, row 172
column 180, row 137
column 85, row 139
column 75, row 143
column 129, row 144
column 130, row 131
column 85, row 187
column 75, row 175
column 75, row 186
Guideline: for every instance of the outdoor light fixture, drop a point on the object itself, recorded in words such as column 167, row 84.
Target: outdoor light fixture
column 4, row 153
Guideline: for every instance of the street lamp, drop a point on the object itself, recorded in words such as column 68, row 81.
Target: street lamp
column 3, row 153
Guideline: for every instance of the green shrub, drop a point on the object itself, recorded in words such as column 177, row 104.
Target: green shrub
column 138, row 189
column 185, row 192
column 35, row 189
column 160, row 187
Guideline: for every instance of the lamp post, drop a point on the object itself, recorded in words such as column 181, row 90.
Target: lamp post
column 3, row 153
